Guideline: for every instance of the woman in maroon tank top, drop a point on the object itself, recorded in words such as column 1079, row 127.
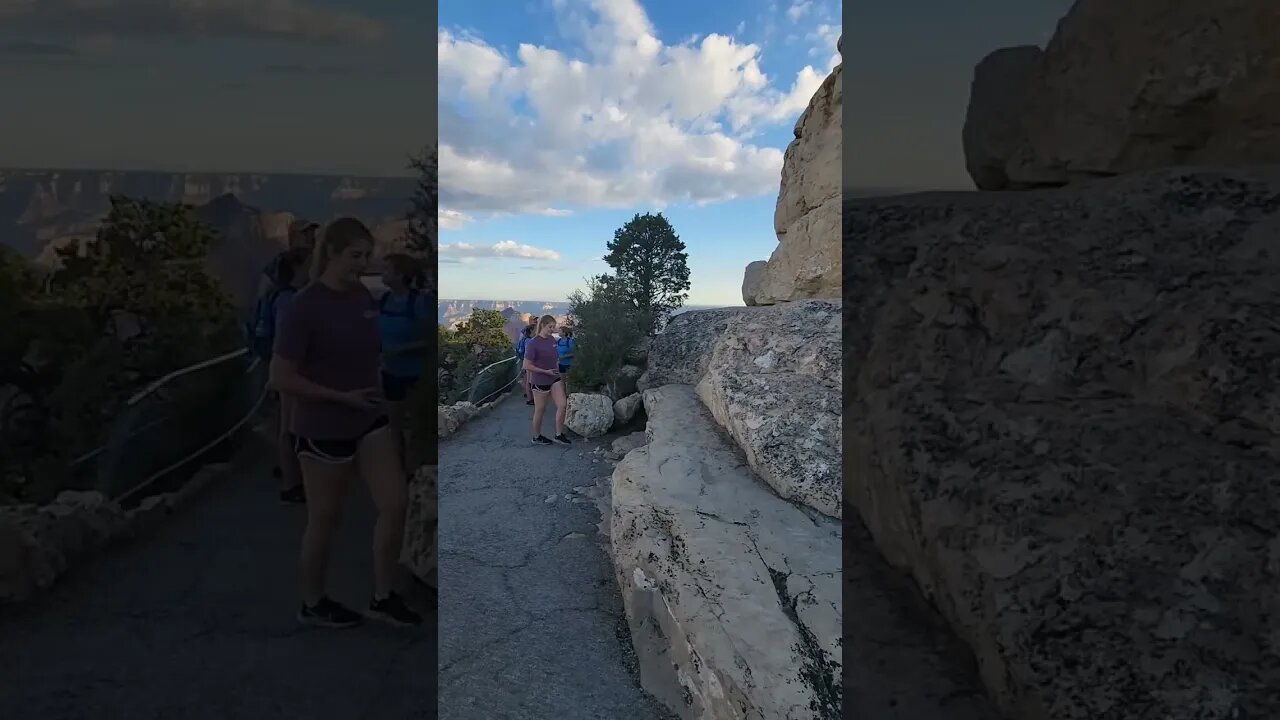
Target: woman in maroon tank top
column 328, row 358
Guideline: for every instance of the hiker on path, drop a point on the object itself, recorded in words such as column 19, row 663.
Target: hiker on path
column 402, row 316
column 302, row 236
column 289, row 276
column 565, row 346
column 526, row 333
column 328, row 356
column 541, row 362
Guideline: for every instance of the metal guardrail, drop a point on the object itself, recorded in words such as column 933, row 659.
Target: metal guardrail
column 489, row 376
column 176, row 419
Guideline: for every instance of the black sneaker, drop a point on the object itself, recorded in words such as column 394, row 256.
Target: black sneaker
column 540, row 440
column 528, row 402
column 295, row 495
column 328, row 613
column 393, row 610
column 562, row 439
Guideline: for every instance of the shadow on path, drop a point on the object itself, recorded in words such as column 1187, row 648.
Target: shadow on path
column 531, row 621
column 197, row 621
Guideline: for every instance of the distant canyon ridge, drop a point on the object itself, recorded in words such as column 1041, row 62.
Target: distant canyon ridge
column 43, row 210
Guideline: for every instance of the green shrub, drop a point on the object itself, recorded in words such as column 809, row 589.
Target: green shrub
column 476, row 343
column 607, row 326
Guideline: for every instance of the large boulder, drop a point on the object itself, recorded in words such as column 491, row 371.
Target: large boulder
column 771, row 378
column 731, row 593
column 589, row 415
column 38, row 543
column 625, row 409
column 422, row 525
column 1063, row 424
column 751, row 280
column 806, row 263
column 1126, row 86
column 997, row 103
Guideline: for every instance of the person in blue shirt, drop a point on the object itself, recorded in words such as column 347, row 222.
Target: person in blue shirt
column 402, row 322
column 565, row 347
column 525, row 333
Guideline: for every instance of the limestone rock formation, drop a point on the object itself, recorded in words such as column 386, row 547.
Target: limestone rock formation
column 732, row 594
column 422, row 525
column 806, row 263
column 589, row 415
column 997, row 104
column 1126, row 86
column 771, row 378
column 751, row 280
column 39, row 542
column 1064, row 425
column 625, row 409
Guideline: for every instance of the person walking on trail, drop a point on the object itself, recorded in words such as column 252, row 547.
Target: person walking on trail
column 289, row 276
column 540, row 361
column 328, row 357
column 302, row 236
column 564, row 349
column 526, row 333
column 402, row 315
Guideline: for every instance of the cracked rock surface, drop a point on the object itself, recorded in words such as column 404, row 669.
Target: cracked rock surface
column 531, row 622
column 196, row 621
column 1063, row 423
column 732, row 593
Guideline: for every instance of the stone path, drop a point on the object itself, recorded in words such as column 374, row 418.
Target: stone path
column 197, row 621
column 531, row 622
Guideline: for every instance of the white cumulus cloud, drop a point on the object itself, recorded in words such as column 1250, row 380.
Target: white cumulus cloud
column 504, row 249
column 629, row 121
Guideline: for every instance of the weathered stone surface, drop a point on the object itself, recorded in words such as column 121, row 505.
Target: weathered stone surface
column 39, row 542
column 751, row 280
column 1064, row 425
column 806, row 263
column 589, row 415
column 1127, row 86
column 997, row 103
column 623, row 381
column 627, row 443
column 771, row 378
column 422, row 525
column 732, row 594
column 625, row 409
column 451, row 417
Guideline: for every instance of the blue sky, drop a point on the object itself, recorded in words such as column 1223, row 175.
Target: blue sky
column 562, row 119
column 318, row 86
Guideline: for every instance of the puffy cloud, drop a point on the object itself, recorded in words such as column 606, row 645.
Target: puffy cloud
column 505, row 249
column 630, row 121
column 273, row 19
column 799, row 9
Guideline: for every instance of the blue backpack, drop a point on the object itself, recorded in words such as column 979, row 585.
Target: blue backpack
column 262, row 326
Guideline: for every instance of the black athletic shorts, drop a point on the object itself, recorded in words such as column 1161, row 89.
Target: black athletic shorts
column 542, row 388
column 397, row 388
column 335, row 451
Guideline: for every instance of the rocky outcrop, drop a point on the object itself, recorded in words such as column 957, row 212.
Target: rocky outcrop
column 589, row 415
column 625, row 409
column 993, row 133
column 451, row 418
column 421, row 532
column 806, row 263
column 1063, row 424
column 732, row 594
column 39, row 543
column 771, row 378
column 1128, row 86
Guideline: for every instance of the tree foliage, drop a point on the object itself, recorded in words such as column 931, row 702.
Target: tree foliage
column 650, row 267
column 420, row 237
column 464, row 351
column 130, row 306
column 607, row 326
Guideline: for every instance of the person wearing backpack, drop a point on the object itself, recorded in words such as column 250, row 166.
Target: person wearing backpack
column 525, row 333
column 402, row 313
column 288, row 275
column 565, row 345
